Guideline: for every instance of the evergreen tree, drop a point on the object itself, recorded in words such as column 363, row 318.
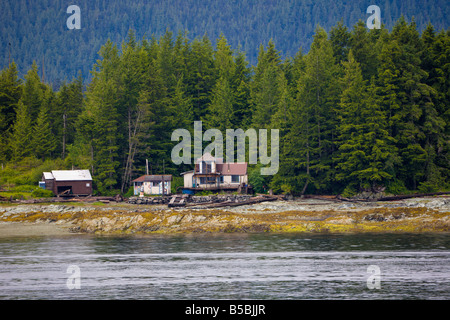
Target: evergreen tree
column 201, row 76
column 101, row 113
column 340, row 41
column 436, row 62
column 363, row 50
column 365, row 148
column 417, row 117
column 10, row 93
column 264, row 91
column 65, row 112
column 240, row 84
column 43, row 140
column 20, row 140
column 221, row 107
column 33, row 91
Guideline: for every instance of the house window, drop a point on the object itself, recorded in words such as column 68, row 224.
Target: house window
column 155, row 183
column 234, row 179
column 221, row 179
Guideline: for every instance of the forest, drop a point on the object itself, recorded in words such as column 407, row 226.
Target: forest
column 35, row 30
column 361, row 110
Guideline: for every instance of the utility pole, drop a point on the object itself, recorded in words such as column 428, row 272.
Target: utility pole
column 146, row 165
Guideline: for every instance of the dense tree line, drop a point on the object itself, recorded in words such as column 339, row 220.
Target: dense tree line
column 363, row 109
column 36, row 29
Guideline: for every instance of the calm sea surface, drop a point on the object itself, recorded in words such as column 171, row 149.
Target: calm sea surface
column 226, row 266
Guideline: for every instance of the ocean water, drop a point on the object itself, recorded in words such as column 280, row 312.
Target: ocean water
column 226, row 266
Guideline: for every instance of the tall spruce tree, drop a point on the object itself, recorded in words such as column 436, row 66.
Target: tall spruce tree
column 10, row 93
column 417, row 115
column 264, row 91
column 43, row 139
column 365, row 147
column 101, row 113
column 20, row 140
column 33, row 91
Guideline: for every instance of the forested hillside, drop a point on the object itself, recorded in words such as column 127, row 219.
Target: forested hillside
column 361, row 110
column 37, row 31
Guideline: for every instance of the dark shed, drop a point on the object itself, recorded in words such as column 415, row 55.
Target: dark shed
column 68, row 182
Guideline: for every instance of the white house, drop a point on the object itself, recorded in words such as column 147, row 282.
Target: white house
column 152, row 184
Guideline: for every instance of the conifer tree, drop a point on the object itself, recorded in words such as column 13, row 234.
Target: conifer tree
column 101, row 113
column 33, row 91
column 340, row 41
column 416, row 119
column 10, row 93
column 365, row 148
column 20, row 140
column 240, row 84
column 201, row 76
column 43, row 139
column 221, row 107
column 363, row 50
column 306, row 160
column 65, row 112
column 264, row 91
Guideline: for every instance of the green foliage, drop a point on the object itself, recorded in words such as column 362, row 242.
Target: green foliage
column 259, row 182
column 27, row 172
column 396, row 186
column 361, row 110
column 176, row 182
column 129, row 193
column 41, row 193
column 24, row 188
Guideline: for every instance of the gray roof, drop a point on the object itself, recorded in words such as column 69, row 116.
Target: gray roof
column 69, row 175
column 157, row 177
column 48, row 176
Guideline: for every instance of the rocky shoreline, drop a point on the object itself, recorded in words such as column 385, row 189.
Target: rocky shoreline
column 429, row 214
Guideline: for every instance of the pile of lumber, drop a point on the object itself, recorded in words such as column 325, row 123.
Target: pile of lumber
column 253, row 200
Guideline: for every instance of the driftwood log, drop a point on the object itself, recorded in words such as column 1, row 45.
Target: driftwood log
column 409, row 196
column 253, row 200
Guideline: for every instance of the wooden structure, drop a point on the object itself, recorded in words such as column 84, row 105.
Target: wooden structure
column 211, row 173
column 68, row 182
column 152, row 184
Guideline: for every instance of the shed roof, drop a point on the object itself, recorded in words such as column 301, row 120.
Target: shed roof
column 48, row 176
column 155, row 177
column 71, row 175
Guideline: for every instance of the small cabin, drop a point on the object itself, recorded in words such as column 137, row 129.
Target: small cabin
column 67, row 182
column 152, row 184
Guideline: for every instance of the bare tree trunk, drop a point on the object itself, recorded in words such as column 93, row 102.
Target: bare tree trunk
column 64, row 136
column 307, row 156
column 133, row 131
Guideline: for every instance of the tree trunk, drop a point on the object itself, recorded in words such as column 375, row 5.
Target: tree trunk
column 64, row 135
